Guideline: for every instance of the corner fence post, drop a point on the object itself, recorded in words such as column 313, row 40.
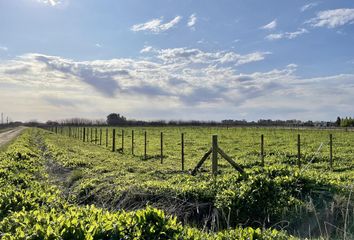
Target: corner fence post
column 215, row 155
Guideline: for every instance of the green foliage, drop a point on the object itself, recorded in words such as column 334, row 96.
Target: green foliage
column 347, row 122
column 32, row 208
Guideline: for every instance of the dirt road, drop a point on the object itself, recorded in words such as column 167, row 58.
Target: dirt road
column 7, row 136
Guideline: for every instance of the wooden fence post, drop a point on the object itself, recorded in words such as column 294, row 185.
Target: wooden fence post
column 145, row 143
column 113, row 140
column 91, row 135
column 331, row 151
column 96, row 136
column 100, row 136
column 215, row 155
column 182, row 151
column 298, row 151
column 122, row 140
column 262, row 150
column 132, row 142
column 84, row 135
column 106, row 137
column 161, row 147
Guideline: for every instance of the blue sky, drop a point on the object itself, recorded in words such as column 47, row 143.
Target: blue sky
column 207, row 60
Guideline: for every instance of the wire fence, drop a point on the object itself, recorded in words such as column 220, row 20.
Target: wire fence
column 249, row 146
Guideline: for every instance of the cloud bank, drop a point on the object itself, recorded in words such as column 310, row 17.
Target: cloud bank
column 176, row 83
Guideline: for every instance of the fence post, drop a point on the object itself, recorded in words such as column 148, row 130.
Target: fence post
column 331, row 151
column 100, row 136
column 145, row 140
column 132, row 142
column 84, row 135
column 122, row 140
column 161, row 147
column 113, row 140
column 91, row 135
column 182, row 150
column 106, row 137
column 262, row 150
column 96, row 136
column 215, row 155
column 298, row 151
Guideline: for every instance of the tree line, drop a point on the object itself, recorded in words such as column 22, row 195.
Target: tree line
column 116, row 119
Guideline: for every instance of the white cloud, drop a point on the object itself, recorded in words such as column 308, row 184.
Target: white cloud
column 286, row 35
column 270, row 26
column 333, row 18
column 156, row 25
column 98, row 45
column 50, row 2
column 192, row 21
column 3, row 48
column 147, row 49
column 185, row 56
column 308, row 6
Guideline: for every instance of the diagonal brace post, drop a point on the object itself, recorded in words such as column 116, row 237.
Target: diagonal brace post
column 231, row 161
column 200, row 163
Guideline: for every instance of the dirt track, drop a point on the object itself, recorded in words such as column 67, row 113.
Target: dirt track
column 7, row 136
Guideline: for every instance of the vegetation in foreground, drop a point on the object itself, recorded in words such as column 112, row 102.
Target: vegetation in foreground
column 32, row 208
column 64, row 176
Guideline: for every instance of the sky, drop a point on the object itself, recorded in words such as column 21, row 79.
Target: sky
column 177, row 59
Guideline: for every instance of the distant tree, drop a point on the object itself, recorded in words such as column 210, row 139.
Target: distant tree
column 116, row 119
column 347, row 122
column 338, row 121
column 52, row 123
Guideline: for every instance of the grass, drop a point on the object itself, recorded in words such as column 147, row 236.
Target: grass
column 311, row 198
column 34, row 206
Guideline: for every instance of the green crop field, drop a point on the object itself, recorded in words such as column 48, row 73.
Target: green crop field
column 61, row 184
